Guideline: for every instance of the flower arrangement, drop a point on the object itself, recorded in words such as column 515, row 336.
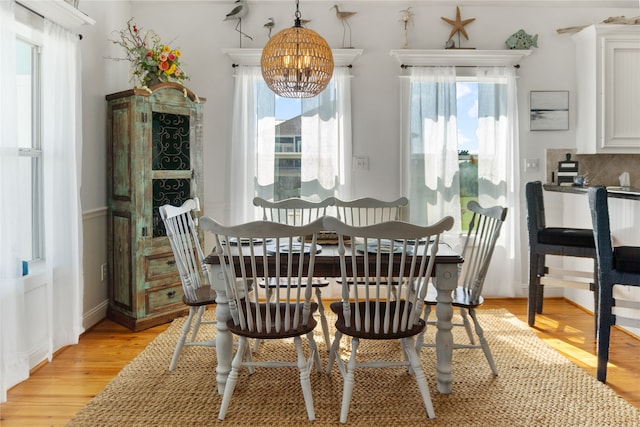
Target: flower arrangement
column 151, row 60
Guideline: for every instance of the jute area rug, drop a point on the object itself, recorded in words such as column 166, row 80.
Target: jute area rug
column 536, row 386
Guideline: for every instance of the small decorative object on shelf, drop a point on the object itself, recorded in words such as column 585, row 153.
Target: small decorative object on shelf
column 406, row 17
column 239, row 11
column 344, row 17
column 521, row 40
column 458, row 27
column 152, row 61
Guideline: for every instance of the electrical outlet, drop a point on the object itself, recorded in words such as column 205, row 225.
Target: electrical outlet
column 103, row 272
column 530, row 165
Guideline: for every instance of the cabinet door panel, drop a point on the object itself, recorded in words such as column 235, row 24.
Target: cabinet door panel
column 122, row 270
column 121, row 152
column 622, row 93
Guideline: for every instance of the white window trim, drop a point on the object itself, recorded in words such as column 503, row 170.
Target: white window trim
column 251, row 57
column 459, row 57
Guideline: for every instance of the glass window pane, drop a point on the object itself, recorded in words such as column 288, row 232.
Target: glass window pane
column 24, row 85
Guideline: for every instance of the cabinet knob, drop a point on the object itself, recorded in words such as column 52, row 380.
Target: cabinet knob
column 171, row 294
column 171, row 262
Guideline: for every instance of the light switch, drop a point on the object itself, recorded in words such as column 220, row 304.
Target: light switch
column 361, row 163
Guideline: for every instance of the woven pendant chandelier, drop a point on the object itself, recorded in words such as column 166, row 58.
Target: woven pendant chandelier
column 297, row 62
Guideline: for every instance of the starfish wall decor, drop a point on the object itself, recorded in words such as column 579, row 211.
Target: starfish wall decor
column 458, row 26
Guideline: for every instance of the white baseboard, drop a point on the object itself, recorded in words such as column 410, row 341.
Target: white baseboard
column 95, row 315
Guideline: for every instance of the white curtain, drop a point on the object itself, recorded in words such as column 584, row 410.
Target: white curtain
column 498, row 173
column 433, row 174
column 246, row 143
column 62, row 149
column 325, row 134
column 14, row 358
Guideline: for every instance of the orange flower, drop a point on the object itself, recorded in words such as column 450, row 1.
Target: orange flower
column 164, row 65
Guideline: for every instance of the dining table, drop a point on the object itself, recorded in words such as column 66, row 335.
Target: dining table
column 327, row 264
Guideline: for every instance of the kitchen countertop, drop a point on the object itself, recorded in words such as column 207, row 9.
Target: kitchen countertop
column 631, row 193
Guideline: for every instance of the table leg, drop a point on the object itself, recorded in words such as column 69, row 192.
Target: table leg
column 224, row 338
column 446, row 281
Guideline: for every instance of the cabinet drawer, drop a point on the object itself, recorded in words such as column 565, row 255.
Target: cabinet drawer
column 160, row 266
column 160, row 299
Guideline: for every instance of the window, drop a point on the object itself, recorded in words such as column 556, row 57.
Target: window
column 467, row 115
column 284, row 148
column 30, row 154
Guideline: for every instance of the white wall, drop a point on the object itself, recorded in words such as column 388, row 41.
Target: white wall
column 199, row 31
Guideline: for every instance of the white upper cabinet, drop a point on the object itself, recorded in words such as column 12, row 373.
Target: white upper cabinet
column 608, row 81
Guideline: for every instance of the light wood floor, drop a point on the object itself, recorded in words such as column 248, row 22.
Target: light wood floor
column 57, row 390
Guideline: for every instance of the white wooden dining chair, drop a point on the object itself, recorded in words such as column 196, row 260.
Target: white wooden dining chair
column 266, row 251
column 183, row 237
column 368, row 210
column 297, row 211
column 381, row 253
column 480, row 241
column 293, row 211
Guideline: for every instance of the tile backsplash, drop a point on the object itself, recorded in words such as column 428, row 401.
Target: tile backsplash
column 600, row 169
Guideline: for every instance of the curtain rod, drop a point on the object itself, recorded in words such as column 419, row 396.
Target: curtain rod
column 238, row 65
column 403, row 66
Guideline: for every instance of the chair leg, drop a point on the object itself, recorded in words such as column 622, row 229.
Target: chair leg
column 349, row 381
column 605, row 321
column 196, row 323
column 314, row 352
column 596, row 296
column 305, row 382
column 467, row 325
column 420, row 337
column 232, row 380
column 416, row 368
column 333, row 353
column 534, row 284
column 323, row 320
column 182, row 338
column 542, row 270
column 483, row 342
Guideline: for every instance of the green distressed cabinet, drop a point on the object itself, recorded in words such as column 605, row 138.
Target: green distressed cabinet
column 154, row 157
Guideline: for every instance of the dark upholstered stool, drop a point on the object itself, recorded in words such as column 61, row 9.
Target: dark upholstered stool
column 543, row 240
column 619, row 265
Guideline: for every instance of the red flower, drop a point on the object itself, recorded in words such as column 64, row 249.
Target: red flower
column 172, row 57
column 149, row 54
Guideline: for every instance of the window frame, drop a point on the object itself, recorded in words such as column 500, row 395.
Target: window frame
column 27, row 31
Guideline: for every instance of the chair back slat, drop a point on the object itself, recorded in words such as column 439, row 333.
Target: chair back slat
column 246, row 254
column 293, row 211
column 484, row 230
column 389, row 252
column 368, row 210
column 183, row 237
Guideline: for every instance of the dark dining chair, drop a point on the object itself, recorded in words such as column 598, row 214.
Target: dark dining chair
column 559, row 241
column 616, row 266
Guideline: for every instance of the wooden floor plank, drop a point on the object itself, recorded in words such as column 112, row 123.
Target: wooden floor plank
column 57, row 390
